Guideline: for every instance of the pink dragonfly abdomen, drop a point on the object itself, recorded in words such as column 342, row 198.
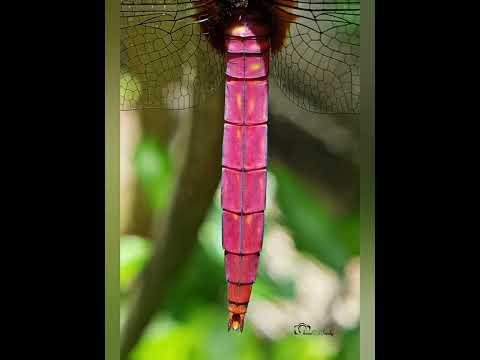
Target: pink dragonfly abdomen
column 244, row 175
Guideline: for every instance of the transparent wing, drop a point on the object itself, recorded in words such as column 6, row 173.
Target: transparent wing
column 316, row 58
column 167, row 57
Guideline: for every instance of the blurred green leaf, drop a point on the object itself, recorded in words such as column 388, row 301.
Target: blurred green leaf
column 305, row 348
column 165, row 341
column 314, row 228
column 202, row 282
column 348, row 230
column 155, row 171
column 210, row 235
column 203, row 335
column 350, row 345
column 218, row 343
column 134, row 252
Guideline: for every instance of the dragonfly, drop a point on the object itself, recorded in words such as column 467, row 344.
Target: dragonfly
column 177, row 53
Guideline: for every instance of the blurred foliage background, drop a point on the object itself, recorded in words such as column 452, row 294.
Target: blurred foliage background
column 309, row 267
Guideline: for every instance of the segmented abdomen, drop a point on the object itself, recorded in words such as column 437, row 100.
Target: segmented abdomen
column 244, row 176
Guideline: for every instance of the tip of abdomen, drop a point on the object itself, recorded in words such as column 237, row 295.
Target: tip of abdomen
column 236, row 316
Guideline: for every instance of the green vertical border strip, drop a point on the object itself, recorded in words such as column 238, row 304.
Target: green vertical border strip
column 367, row 180
column 112, row 179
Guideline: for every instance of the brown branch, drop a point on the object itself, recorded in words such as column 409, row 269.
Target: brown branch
column 176, row 237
